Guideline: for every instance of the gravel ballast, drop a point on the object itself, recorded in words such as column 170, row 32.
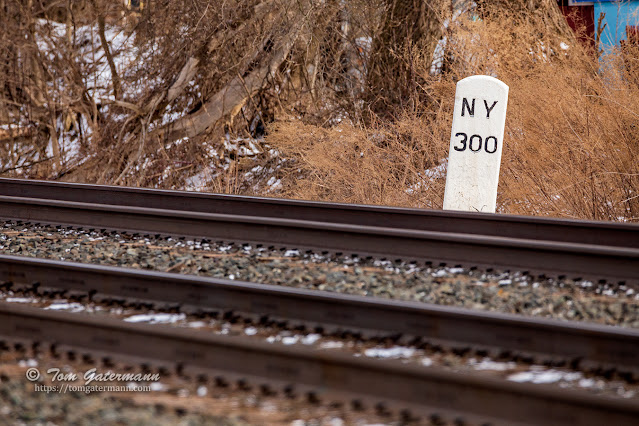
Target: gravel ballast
column 509, row 292
column 172, row 400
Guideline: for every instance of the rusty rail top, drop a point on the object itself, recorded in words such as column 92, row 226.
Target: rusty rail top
column 328, row 375
column 597, row 345
column 536, row 228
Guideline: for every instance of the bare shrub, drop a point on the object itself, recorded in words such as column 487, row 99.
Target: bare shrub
column 119, row 86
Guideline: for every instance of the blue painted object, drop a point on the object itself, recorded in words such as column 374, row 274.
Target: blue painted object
column 618, row 16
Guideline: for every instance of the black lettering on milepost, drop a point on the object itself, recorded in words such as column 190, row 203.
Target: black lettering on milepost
column 471, row 109
column 472, row 138
column 488, row 110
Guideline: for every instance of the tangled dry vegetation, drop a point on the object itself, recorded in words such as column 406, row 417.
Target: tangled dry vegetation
column 342, row 100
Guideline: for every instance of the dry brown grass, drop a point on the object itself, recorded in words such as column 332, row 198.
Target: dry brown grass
column 571, row 143
column 347, row 164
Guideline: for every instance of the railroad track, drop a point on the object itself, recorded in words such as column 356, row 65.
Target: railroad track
column 525, row 227
column 565, row 249
column 603, row 251
column 388, row 385
column 576, row 343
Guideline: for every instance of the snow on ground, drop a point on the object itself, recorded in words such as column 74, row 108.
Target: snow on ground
column 62, row 305
column 244, row 147
column 199, row 181
column 439, row 55
column 394, row 352
column 52, row 39
column 260, row 178
column 428, row 177
column 92, row 58
column 20, row 300
column 488, row 364
column 538, row 375
column 162, row 318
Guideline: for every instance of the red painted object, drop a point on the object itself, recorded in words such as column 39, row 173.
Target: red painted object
column 582, row 21
column 632, row 34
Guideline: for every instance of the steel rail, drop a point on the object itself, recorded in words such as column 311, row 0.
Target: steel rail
column 328, row 375
column 591, row 344
column 615, row 264
column 536, row 228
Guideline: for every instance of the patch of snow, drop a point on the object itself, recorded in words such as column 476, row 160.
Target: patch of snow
column 158, row 387
column 290, row 340
column 440, row 273
column 310, row 339
column 28, row 363
column 428, row 177
column 586, row 383
column 202, row 391
column 251, row 173
column 244, row 147
column 63, row 306
column 162, row 318
column 331, row 345
column 176, row 142
column 364, row 43
column 274, row 184
column 250, row 331
column 394, row 352
column 543, row 376
column 488, row 364
column 20, row 300
column 198, row 181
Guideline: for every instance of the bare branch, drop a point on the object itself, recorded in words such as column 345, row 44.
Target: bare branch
column 234, row 94
column 117, row 90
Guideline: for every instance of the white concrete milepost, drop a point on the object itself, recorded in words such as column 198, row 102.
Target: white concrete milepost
column 476, row 143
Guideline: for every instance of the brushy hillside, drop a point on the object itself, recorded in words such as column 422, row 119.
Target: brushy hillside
column 318, row 100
